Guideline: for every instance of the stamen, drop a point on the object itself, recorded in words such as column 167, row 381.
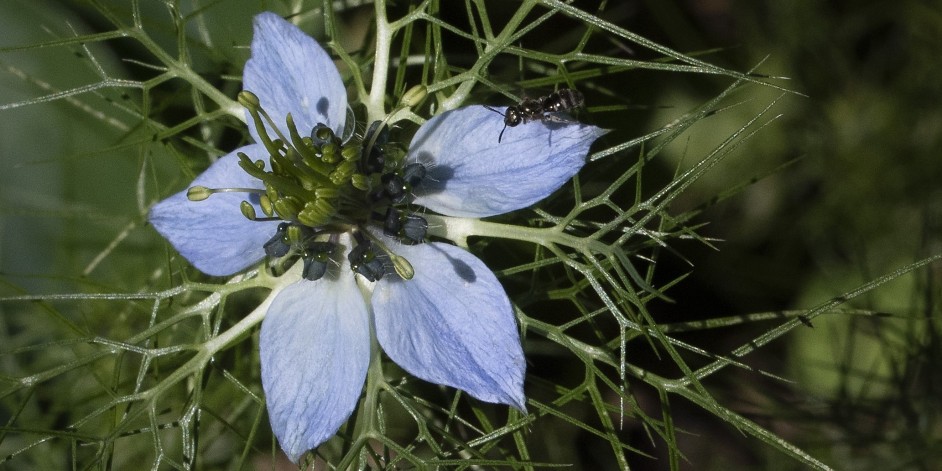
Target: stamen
column 298, row 235
column 267, row 207
column 400, row 264
column 277, row 246
column 200, row 193
column 282, row 183
column 251, row 103
column 394, row 187
column 329, row 153
column 343, row 172
column 318, row 212
column 410, row 229
column 414, row 174
column 321, row 135
column 366, row 261
column 398, row 185
column 360, row 182
column 319, row 185
column 247, row 210
column 287, row 208
column 315, row 259
column 306, row 149
column 349, row 153
column 281, row 137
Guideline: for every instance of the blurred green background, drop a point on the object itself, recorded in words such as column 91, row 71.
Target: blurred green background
column 864, row 198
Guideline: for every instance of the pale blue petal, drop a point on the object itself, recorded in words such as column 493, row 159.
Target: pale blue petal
column 472, row 175
column 451, row 324
column 314, row 349
column 291, row 73
column 213, row 234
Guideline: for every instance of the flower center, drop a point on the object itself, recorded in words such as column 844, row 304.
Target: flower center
column 322, row 187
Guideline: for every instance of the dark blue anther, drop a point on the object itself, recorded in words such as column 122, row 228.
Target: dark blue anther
column 322, row 135
column 413, row 174
column 278, row 246
column 313, row 269
column 409, row 229
column 315, row 259
column 394, row 187
column 414, row 229
column 367, row 261
column 393, row 222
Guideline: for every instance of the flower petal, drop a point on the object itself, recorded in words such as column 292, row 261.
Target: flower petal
column 451, row 324
column 213, row 234
column 291, row 73
column 315, row 350
column 470, row 174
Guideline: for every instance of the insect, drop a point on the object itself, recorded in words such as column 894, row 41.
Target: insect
column 539, row 109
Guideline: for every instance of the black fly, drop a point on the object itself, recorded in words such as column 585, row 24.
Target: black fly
column 539, row 109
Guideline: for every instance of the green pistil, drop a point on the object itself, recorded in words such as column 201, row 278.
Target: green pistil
column 313, row 181
column 319, row 187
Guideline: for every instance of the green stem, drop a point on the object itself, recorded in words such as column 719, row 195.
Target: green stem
column 490, row 52
column 180, row 70
column 375, row 102
column 223, row 340
column 374, row 380
column 459, row 229
column 367, row 422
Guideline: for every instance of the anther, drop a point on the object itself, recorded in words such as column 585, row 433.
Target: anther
column 252, row 104
column 298, row 235
column 410, row 229
column 414, row 174
column 350, row 152
column 367, row 261
column 278, row 246
column 343, row 172
column 287, row 208
column 329, row 153
column 315, row 259
column 251, row 168
column 317, row 213
column 267, row 207
column 394, row 187
column 322, row 135
column 414, row 229
column 306, row 149
column 200, row 193
column 247, row 210
column 397, row 185
column 402, row 266
column 360, row 182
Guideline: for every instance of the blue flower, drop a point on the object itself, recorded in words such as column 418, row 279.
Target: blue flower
column 450, row 324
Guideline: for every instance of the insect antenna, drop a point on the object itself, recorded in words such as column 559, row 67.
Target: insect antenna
column 501, row 135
